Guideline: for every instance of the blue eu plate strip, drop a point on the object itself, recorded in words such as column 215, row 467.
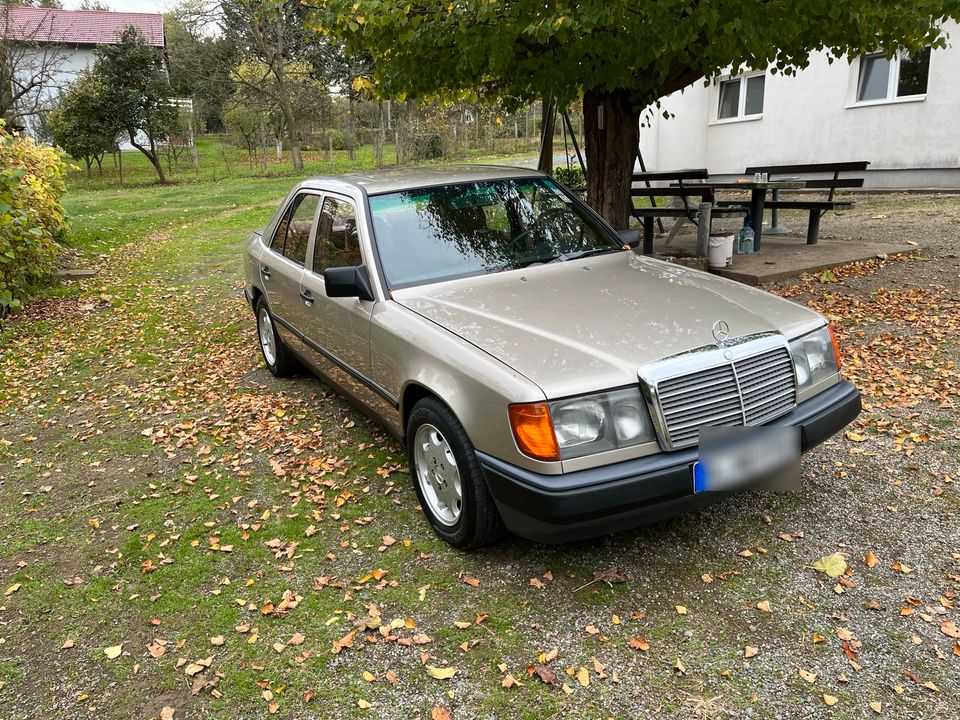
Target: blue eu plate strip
column 699, row 477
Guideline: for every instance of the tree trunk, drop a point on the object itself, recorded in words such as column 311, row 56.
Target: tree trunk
column 292, row 138
column 611, row 128
column 381, row 139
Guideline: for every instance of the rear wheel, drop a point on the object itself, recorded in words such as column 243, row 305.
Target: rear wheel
column 448, row 478
column 278, row 357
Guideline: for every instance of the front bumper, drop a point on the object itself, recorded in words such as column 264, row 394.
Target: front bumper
column 587, row 503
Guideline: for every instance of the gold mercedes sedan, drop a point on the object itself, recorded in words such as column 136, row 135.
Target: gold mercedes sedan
column 544, row 376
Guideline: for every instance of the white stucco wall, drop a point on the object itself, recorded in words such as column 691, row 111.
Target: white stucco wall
column 62, row 64
column 58, row 65
column 812, row 117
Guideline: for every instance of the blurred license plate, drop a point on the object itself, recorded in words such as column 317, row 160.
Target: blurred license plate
column 735, row 457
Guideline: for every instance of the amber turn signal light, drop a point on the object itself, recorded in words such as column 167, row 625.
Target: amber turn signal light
column 836, row 345
column 533, row 431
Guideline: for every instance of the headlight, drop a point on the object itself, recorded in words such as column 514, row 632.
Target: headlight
column 815, row 357
column 582, row 425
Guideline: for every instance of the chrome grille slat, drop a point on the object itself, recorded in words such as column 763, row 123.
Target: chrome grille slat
column 750, row 390
column 701, row 379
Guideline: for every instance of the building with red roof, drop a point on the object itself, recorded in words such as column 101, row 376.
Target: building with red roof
column 78, row 27
column 45, row 48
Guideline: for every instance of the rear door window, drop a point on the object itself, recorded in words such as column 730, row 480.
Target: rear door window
column 293, row 232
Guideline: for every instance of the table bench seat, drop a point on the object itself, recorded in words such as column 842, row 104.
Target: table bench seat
column 831, row 183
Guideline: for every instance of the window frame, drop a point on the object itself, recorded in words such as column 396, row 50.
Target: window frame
column 288, row 210
column 741, row 115
column 893, row 82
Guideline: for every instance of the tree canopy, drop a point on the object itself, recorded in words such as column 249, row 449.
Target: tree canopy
column 81, row 124
column 618, row 55
column 133, row 94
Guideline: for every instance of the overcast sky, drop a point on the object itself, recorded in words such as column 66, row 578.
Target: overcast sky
column 127, row 5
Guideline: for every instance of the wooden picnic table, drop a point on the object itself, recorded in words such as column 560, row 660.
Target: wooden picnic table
column 758, row 198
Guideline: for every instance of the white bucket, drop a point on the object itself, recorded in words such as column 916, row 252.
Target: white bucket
column 720, row 250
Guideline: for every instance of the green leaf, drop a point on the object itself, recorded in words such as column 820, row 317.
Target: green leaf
column 833, row 565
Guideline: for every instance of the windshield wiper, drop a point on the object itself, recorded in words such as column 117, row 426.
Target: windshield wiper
column 581, row 254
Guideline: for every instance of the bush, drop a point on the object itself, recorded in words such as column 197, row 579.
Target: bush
column 427, row 147
column 572, row 177
column 32, row 222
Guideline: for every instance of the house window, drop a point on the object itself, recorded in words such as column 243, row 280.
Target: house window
column 741, row 97
column 883, row 79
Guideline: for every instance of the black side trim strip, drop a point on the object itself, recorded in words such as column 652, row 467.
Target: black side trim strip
column 349, row 369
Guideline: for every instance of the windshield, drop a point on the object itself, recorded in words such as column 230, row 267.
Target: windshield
column 446, row 232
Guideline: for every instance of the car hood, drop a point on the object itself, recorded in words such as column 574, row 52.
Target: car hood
column 590, row 324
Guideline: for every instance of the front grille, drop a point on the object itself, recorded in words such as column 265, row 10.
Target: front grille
column 749, row 391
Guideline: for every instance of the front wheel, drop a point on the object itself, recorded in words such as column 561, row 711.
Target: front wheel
column 448, row 478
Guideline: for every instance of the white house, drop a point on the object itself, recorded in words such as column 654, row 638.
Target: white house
column 902, row 115
column 46, row 49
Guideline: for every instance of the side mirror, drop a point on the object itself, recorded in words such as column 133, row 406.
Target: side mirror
column 351, row 281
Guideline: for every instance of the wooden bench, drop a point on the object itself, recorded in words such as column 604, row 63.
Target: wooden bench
column 683, row 185
column 817, row 207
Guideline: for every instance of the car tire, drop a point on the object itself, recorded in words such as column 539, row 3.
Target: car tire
column 448, row 479
column 278, row 357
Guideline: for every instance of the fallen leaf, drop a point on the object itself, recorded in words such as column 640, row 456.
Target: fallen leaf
column 877, row 707
column 439, row 713
column 167, row 713
column 217, row 640
column 855, row 436
column 764, row 606
column 844, row 634
column 871, row 560
column 509, row 681
column 900, row 567
column 639, row 643
column 363, row 704
column 806, row 675
column 583, row 677
column 750, row 651
column 681, row 610
column 950, row 629
column 930, row 686
column 679, row 667
column 830, row 700
column 471, row 581
column 442, row 673
column 833, row 565
column 113, row 651
column 542, row 672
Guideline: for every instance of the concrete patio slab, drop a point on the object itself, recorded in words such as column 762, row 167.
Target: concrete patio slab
column 787, row 256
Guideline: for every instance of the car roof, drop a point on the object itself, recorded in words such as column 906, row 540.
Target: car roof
column 388, row 180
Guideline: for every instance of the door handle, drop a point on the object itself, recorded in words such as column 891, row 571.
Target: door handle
column 265, row 271
column 307, row 297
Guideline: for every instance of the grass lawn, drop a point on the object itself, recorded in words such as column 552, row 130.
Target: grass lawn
column 218, row 159
column 178, row 529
